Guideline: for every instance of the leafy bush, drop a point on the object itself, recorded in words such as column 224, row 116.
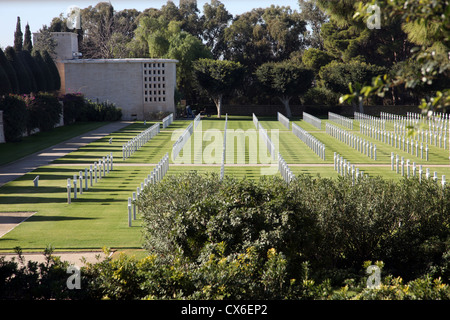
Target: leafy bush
column 73, row 106
column 320, row 96
column 44, row 111
column 14, row 117
column 95, row 111
column 329, row 223
column 78, row 108
column 34, row 280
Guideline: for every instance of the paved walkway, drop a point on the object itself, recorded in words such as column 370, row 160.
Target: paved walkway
column 16, row 169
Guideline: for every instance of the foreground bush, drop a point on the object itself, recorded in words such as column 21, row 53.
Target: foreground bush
column 44, row 111
column 14, row 116
column 330, row 224
column 216, row 277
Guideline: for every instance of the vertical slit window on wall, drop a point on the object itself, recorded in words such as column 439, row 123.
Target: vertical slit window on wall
column 152, row 79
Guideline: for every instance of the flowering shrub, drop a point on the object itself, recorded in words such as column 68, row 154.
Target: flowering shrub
column 44, row 111
column 14, row 116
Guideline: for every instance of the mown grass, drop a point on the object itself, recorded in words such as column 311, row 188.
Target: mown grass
column 12, row 151
column 98, row 217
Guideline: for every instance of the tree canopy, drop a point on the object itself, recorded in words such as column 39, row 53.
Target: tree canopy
column 218, row 78
column 285, row 80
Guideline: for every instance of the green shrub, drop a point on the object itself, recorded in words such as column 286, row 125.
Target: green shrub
column 328, row 223
column 73, row 106
column 320, row 96
column 44, row 111
column 95, row 111
column 14, row 117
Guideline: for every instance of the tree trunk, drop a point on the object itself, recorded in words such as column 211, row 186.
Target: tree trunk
column 361, row 104
column 218, row 102
column 287, row 108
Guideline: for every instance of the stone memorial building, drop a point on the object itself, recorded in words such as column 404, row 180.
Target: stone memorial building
column 139, row 87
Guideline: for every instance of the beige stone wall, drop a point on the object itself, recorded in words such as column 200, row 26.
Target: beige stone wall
column 138, row 86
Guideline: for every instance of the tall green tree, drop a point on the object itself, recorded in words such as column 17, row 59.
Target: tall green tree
column 315, row 17
column 35, row 70
column 5, row 86
column 264, row 35
column 218, row 78
column 337, row 76
column 27, row 61
column 47, row 78
column 427, row 24
column 25, row 85
column 27, row 44
column 56, row 85
column 215, row 20
column 285, row 80
column 10, row 72
column 45, row 41
column 18, row 36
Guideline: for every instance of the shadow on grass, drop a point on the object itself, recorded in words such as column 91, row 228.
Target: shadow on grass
column 37, row 218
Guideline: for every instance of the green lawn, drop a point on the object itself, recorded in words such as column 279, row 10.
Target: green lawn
column 99, row 216
column 12, row 151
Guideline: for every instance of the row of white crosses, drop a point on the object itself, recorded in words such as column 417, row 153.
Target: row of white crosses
column 222, row 167
column 312, row 142
column 155, row 176
column 370, row 121
column 87, row 177
column 362, row 145
column 167, row 121
column 138, row 141
column 265, row 137
column 346, row 169
column 284, row 170
column 284, row 120
column 184, row 137
column 395, row 140
column 316, row 122
column 398, row 164
column 436, row 134
column 341, row 120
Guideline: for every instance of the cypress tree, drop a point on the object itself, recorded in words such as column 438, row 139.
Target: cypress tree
column 27, row 45
column 5, row 86
column 21, row 72
column 53, row 70
column 18, row 36
column 48, row 78
column 10, row 72
column 36, row 72
column 26, row 66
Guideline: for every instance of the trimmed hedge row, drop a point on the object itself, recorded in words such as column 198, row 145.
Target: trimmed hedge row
column 78, row 108
column 43, row 111
column 28, row 112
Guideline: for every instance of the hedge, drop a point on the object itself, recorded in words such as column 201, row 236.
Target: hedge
column 330, row 224
column 15, row 116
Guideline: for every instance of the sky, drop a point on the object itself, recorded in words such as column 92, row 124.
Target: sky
column 37, row 13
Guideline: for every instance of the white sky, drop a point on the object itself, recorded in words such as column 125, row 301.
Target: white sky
column 37, row 13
